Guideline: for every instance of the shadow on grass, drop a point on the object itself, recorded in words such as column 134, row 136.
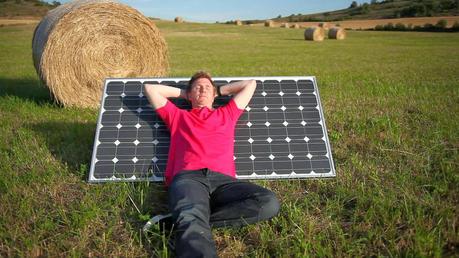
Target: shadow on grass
column 69, row 142
column 27, row 89
column 72, row 144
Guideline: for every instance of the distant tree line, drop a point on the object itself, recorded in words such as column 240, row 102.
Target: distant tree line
column 414, row 8
column 428, row 8
column 440, row 26
column 234, row 22
column 417, row 8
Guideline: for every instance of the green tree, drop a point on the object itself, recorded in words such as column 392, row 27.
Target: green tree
column 414, row 10
column 455, row 26
column 447, row 4
column 389, row 26
column 429, row 27
column 400, row 27
column 365, row 7
column 441, row 24
column 353, row 4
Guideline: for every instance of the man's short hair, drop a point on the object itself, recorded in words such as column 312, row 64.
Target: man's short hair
column 199, row 75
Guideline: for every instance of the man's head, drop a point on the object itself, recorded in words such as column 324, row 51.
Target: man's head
column 201, row 90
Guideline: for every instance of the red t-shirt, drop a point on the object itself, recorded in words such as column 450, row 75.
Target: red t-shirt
column 200, row 138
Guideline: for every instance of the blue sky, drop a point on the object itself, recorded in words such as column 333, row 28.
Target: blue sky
column 214, row 10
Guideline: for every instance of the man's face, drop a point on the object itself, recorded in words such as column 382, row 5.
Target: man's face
column 202, row 93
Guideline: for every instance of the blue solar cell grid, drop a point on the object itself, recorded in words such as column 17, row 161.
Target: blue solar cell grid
column 280, row 135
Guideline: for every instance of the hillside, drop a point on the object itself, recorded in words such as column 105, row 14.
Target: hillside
column 25, row 8
column 379, row 10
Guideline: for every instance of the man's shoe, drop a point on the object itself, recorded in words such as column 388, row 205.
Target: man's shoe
column 164, row 222
column 165, row 225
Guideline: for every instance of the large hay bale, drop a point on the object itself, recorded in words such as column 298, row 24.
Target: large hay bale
column 238, row 22
column 336, row 33
column 295, row 26
column 79, row 44
column 269, row 23
column 285, row 25
column 178, row 19
column 314, row 33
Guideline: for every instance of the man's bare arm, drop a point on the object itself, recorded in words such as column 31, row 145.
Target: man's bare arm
column 157, row 94
column 242, row 91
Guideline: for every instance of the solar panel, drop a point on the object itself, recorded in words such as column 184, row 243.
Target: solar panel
column 280, row 135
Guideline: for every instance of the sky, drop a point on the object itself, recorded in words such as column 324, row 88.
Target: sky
column 215, row 10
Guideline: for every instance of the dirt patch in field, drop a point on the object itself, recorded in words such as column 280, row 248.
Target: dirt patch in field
column 367, row 24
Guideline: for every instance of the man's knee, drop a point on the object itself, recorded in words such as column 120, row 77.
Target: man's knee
column 191, row 214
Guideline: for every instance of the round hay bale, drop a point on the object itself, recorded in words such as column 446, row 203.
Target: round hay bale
column 324, row 25
column 238, row 22
column 295, row 26
column 178, row 19
column 285, row 25
column 79, row 44
column 314, row 34
column 336, row 33
column 269, row 23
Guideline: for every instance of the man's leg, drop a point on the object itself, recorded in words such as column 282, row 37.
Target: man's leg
column 238, row 203
column 189, row 204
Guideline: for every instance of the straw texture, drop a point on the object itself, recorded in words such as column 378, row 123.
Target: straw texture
column 314, row 34
column 79, row 44
column 285, row 25
column 337, row 33
column 269, row 23
column 324, row 25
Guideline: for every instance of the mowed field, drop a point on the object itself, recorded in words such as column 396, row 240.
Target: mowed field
column 391, row 102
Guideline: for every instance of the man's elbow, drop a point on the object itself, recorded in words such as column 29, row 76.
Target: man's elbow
column 252, row 84
column 147, row 87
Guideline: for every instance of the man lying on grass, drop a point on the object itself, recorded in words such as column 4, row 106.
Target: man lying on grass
column 200, row 173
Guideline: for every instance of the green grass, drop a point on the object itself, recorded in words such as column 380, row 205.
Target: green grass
column 391, row 102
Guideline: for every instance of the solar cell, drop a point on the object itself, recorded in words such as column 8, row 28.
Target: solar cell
column 281, row 134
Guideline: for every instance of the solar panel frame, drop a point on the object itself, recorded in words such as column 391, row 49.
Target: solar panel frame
column 332, row 173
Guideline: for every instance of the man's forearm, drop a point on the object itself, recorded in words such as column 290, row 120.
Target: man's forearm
column 166, row 91
column 235, row 87
column 157, row 94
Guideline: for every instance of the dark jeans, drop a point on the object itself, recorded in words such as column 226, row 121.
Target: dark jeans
column 201, row 199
